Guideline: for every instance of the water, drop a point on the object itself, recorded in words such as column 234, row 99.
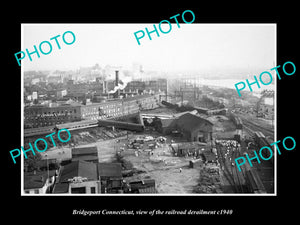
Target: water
column 229, row 83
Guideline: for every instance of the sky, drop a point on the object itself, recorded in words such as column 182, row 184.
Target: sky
column 192, row 47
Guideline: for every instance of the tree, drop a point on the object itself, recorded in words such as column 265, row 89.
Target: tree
column 31, row 163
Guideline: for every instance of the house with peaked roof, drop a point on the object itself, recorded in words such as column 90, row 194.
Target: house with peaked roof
column 38, row 182
column 195, row 128
column 192, row 127
column 78, row 177
column 111, row 178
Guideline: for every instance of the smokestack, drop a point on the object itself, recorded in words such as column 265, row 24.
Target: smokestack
column 117, row 94
column 117, row 78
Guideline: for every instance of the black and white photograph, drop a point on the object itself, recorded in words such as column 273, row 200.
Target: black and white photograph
column 166, row 116
column 149, row 112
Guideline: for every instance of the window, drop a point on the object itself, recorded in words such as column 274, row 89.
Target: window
column 93, row 190
column 78, row 190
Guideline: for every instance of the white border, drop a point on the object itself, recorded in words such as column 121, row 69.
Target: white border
column 158, row 194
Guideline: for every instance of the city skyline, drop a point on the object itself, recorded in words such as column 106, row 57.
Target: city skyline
column 224, row 49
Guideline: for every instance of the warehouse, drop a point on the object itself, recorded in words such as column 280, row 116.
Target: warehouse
column 41, row 116
column 195, row 128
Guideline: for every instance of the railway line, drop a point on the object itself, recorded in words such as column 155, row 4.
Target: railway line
column 252, row 127
column 234, row 177
column 238, row 175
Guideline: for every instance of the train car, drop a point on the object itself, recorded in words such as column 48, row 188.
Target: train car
column 77, row 125
column 38, row 131
column 168, row 104
column 201, row 110
column 261, row 141
column 217, row 112
column 121, row 125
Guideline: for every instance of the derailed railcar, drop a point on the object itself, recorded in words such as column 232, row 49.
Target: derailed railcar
column 121, row 125
column 261, row 141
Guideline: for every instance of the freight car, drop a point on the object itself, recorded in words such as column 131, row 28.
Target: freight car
column 261, row 141
column 77, row 125
column 217, row 112
column 121, row 125
column 169, row 105
column 38, row 131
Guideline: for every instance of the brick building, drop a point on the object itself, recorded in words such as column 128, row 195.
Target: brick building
column 41, row 116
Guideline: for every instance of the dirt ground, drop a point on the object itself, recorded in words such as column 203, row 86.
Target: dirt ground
column 162, row 165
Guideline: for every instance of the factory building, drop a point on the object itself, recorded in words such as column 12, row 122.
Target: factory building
column 191, row 127
column 40, row 116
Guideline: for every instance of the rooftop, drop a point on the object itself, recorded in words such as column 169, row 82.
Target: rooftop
column 190, row 121
column 85, row 151
column 110, row 169
column 38, row 179
column 78, row 169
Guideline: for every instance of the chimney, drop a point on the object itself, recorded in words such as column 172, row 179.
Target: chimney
column 117, row 94
column 117, row 78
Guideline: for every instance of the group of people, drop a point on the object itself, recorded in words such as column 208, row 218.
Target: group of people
column 228, row 145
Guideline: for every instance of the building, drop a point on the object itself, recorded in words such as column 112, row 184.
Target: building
column 61, row 93
column 146, row 186
column 196, row 163
column 190, row 126
column 78, row 177
column 265, row 106
column 89, row 154
column 78, row 89
column 110, row 177
column 195, row 128
column 40, row 116
column 38, row 182
column 159, row 85
column 135, row 86
column 81, row 177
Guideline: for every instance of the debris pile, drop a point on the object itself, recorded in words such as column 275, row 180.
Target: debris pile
column 209, row 181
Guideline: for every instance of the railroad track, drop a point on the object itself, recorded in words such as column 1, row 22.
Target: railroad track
column 237, row 175
column 228, row 175
column 252, row 127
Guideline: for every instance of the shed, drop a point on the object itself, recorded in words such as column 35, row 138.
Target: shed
column 196, row 163
column 195, row 128
column 89, row 154
column 143, row 186
column 111, row 177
